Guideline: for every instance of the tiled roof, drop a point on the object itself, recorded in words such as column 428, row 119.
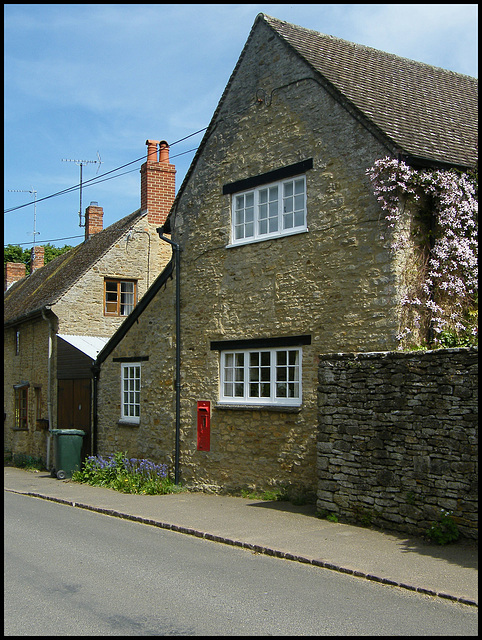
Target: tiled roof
column 429, row 113
column 45, row 286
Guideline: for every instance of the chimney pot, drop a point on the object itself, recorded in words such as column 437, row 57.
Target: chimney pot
column 152, row 150
column 157, row 182
column 163, row 152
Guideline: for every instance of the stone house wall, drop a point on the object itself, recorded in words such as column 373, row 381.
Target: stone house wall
column 337, row 282
column 139, row 256
column 397, row 440
column 31, row 366
column 154, row 436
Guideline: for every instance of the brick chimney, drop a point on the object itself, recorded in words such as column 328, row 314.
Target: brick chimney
column 94, row 219
column 13, row 271
column 157, row 182
column 37, row 258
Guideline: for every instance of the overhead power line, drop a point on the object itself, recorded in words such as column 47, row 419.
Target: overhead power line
column 97, row 179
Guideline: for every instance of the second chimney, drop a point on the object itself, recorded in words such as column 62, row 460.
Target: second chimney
column 94, row 219
column 37, row 258
column 157, row 182
column 13, row 271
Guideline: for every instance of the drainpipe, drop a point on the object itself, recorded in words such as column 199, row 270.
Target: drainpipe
column 96, row 374
column 49, row 382
column 176, row 250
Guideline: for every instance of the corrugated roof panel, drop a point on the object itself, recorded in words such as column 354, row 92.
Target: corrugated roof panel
column 90, row 345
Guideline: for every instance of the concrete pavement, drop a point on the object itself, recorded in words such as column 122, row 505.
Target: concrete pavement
column 279, row 529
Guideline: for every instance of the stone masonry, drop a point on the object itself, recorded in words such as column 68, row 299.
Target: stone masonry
column 397, row 439
column 337, row 282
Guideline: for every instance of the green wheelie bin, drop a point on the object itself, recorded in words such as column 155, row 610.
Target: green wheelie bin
column 67, row 448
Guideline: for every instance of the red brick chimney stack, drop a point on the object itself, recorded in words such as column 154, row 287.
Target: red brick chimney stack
column 13, row 271
column 157, row 182
column 37, row 258
column 94, row 219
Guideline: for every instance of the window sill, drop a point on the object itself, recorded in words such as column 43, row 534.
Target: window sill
column 20, row 429
column 279, row 408
column 128, row 423
column 242, row 243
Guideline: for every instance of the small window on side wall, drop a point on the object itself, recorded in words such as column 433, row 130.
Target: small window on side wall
column 131, row 392
column 119, row 297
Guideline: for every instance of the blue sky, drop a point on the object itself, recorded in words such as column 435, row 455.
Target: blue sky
column 89, row 79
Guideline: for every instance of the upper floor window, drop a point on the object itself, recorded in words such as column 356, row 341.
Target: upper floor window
column 119, row 297
column 269, row 211
column 269, row 205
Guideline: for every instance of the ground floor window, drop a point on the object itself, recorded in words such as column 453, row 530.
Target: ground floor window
column 131, row 392
column 261, row 376
column 21, row 407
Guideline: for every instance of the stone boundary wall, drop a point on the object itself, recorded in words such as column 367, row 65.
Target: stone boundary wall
column 397, row 439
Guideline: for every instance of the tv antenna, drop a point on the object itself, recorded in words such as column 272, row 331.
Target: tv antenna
column 32, row 190
column 81, row 163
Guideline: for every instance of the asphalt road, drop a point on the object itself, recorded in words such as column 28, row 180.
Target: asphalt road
column 74, row 572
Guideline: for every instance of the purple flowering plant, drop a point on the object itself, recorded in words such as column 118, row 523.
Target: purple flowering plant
column 444, row 294
column 129, row 475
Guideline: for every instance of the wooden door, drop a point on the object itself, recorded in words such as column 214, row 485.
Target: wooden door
column 74, row 410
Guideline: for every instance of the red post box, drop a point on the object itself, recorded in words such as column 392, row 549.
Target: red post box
column 203, row 425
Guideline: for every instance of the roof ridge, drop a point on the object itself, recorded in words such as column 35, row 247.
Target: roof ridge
column 357, row 45
column 46, row 285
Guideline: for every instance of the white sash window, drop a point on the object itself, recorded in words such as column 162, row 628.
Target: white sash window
column 265, row 376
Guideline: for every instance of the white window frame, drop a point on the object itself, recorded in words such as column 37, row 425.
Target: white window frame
column 269, row 211
column 131, row 392
column 265, row 376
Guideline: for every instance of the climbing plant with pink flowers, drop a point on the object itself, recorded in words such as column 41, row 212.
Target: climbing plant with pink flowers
column 444, row 295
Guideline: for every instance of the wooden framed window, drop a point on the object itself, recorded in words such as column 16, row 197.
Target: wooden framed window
column 131, row 392
column 119, row 297
column 264, row 376
column 21, row 407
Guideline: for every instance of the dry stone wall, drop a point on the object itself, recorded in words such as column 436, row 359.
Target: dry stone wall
column 397, row 439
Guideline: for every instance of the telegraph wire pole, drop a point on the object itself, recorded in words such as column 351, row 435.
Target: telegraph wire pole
column 81, row 164
column 35, row 232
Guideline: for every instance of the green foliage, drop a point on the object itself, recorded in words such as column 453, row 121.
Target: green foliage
column 326, row 515
column 24, row 461
column 287, row 493
column 127, row 475
column 440, row 301
column 14, row 253
column 444, row 530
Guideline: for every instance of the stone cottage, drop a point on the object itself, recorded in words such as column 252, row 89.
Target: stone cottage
column 277, row 257
column 57, row 318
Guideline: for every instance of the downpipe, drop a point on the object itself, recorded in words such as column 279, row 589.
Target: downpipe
column 49, row 384
column 177, row 265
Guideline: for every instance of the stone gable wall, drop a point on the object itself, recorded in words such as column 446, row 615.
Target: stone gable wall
column 397, row 439
column 139, row 256
column 337, row 282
